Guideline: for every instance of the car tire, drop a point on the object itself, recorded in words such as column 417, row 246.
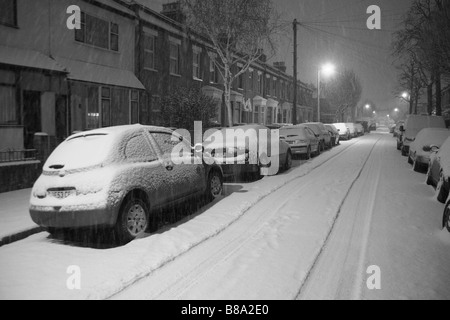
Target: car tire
column 288, row 163
column 429, row 181
column 133, row 220
column 404, row 152
column 214, row 186
column 410, row 160
column 308, row 154
column 416, row 165
column 441, row 192
column 446, row 217
column 318, row 151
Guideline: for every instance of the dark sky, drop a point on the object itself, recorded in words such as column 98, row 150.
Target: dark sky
column 336, row 32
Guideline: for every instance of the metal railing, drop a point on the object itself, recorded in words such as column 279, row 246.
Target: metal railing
column 17, row 155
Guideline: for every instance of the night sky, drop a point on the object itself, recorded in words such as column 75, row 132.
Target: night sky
column 336, row 32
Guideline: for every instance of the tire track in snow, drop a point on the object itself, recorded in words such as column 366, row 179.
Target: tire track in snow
column 183, row 282
column 346, row 237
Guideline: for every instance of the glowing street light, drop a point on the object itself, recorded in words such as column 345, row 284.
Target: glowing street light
column 327, row 70
column 367, row 106
column 405, row 95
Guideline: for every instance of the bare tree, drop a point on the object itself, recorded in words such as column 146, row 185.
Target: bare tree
column 239, row 30
column 344, row 92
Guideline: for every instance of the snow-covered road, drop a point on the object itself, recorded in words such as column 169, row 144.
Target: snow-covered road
column 310, row 233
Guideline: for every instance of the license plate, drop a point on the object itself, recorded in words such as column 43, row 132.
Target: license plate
column 61, row 194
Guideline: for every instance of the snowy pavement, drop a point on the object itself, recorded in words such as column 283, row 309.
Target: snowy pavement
column 309, row 233
column 14, row 216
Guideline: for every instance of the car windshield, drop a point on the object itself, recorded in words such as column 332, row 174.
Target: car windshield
column 80, row 152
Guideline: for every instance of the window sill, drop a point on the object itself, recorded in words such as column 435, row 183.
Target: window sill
column 96, row 47
column 175, row 75
column 197, row 79
column 150, row 69
column 10, row 25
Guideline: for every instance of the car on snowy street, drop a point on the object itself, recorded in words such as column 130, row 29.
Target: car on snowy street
column 322, row 133
column 334, row 134
column 302, row 140
column 237, row 157
column 119, row 178
column 426, row 140
column 344, row 131
column 359, row 129
column 352, row 129
column 397, row 128
column 413, row 125
column 438, row 174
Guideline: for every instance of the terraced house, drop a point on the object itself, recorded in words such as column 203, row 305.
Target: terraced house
column 113, row 70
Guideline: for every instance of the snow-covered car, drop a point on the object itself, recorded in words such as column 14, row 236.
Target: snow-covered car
column 237, row 157
column 426, row 140
column 119, row 177
column 344, row 131
column 301, row 139
column 352, row 129
column 413, row 125
column 438, row 174
column 359, row 129
column 334, row 134
column 365, row 125
column 322, row 133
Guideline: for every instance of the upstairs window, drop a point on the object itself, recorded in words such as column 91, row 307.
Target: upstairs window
column 174, row 58
column 149, row 52
column 196, row 63
column 98, row 32
column 8, row 12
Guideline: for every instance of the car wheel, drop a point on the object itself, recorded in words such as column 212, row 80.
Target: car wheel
column 318, row 150
column 429, row 181
column 133, row 220
column 441, row 192
column 308, row 154
column 215, row 185
column 410, row 160
column 404, row 152
column 288, row 163
column 416, row 165
column 446, row 217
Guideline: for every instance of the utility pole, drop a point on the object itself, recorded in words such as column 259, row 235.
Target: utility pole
column 294, row 110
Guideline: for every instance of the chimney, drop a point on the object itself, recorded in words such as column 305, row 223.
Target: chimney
column 174, row 11
column 280, row 66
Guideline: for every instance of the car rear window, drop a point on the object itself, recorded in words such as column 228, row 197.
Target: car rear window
column 80, row 152
column 293, row 132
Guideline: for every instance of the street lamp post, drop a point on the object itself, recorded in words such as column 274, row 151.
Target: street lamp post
column 328, row 70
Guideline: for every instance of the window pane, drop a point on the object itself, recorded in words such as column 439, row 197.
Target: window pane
column 8, row 12
column 114, row 42
column 106, row 92
column 138, row 149
column 106, row 113
column 165, row 142
column 97, row 32
column 7, row 105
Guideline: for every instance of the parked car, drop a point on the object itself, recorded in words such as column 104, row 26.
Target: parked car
column 446, row 217
column 344, row 131
column 334, row 134
column 118, row 177
column 359, row 129
column 324, row 136
column 413, row 125
column 235, row 156
column 365, row 125
column 302, row 140
column 352, row 130
column 439, row 170
column 420, row 149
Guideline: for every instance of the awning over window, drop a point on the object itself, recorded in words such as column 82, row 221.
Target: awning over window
column 29, row 59
column 272, row 103
column 259, row 101
column 236, row 97
column 95, row 73
column 212, row 92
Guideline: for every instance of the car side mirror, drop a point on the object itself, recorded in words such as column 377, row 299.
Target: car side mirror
column 434, row 148
column 198, row 148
